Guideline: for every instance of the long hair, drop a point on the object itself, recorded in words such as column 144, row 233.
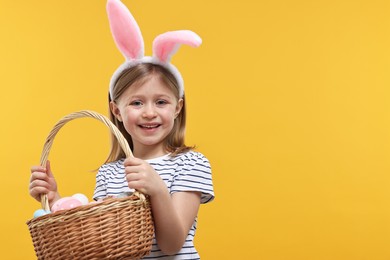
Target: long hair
column 174, row 142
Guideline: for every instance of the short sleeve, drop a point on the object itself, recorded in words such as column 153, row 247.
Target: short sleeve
column 194, row 175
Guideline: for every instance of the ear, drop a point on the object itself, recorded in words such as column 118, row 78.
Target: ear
column 179, row 106
column 166, row 44
column 125, row 30
column 115, row 111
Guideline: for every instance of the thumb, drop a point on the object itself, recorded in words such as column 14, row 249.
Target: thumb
column 48, row 169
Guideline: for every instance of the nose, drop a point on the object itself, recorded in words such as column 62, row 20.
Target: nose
column 149, row 111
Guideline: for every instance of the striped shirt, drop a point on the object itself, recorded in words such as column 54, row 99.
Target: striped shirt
column 189, row 171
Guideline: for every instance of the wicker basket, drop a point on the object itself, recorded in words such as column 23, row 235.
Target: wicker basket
column 117, row 228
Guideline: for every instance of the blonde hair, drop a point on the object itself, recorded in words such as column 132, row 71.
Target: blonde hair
column 138, row 74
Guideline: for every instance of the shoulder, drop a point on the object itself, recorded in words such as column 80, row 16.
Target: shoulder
column 194, row 175
column 191, row 158
column 182, row 160
column 192, row 163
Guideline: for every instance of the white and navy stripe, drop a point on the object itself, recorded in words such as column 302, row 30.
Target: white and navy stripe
column 185, row 172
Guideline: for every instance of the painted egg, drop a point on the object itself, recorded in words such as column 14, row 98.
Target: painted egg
column 65, row 203
column 81, row 197
column 40, row 212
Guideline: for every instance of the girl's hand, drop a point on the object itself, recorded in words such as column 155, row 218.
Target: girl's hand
column 142, row 177
column 42, row 182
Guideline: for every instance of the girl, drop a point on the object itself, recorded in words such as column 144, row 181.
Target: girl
column 147, row 104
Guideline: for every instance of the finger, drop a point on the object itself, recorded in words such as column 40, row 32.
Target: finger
column 137, row 185
column 37, row 191
column 132, row 176
column 39, row 176
column 131, row 161
column 39, row 183
column 37, row 168
column 131, row 169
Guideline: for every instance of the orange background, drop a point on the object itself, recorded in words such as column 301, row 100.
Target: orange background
column 288, row 99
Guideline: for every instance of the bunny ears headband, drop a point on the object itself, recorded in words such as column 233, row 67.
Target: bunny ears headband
column 129, row 41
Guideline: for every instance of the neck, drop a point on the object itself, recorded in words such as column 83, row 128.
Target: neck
column 147, row 152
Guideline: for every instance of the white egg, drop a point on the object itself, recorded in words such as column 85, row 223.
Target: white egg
column 81, row 197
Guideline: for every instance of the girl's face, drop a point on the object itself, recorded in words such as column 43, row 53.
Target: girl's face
column 148, row 112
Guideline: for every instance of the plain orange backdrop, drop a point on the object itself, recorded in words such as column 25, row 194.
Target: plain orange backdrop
column 288, row 99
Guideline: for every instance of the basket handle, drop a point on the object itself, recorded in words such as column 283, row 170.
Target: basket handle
column 83, row 113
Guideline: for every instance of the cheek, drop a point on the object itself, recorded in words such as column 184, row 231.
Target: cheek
column 169, row 116
column 129, row 113
column 129, row 117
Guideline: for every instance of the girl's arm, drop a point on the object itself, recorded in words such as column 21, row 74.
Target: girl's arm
column 173, row 217
column 173, row 214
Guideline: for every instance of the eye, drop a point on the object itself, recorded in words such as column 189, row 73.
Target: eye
column 136, row 103
column 161, row 102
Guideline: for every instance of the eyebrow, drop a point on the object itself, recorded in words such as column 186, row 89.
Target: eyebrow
column 154, row 96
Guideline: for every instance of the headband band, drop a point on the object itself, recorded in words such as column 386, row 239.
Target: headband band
column 128, row 38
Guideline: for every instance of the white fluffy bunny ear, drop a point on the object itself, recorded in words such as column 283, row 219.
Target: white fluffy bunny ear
column 166, row 44
column 125, row 30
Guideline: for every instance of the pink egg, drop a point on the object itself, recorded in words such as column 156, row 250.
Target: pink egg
column 65, row 203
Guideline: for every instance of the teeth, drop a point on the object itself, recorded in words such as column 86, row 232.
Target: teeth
column 149, row 126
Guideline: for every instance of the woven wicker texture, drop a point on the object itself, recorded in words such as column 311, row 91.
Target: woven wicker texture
column 117, row 228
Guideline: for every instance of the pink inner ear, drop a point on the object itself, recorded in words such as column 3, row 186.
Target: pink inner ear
column 166, row 44
column 125, row 30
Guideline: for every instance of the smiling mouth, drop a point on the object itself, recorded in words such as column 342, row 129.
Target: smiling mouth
column 150, row 126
